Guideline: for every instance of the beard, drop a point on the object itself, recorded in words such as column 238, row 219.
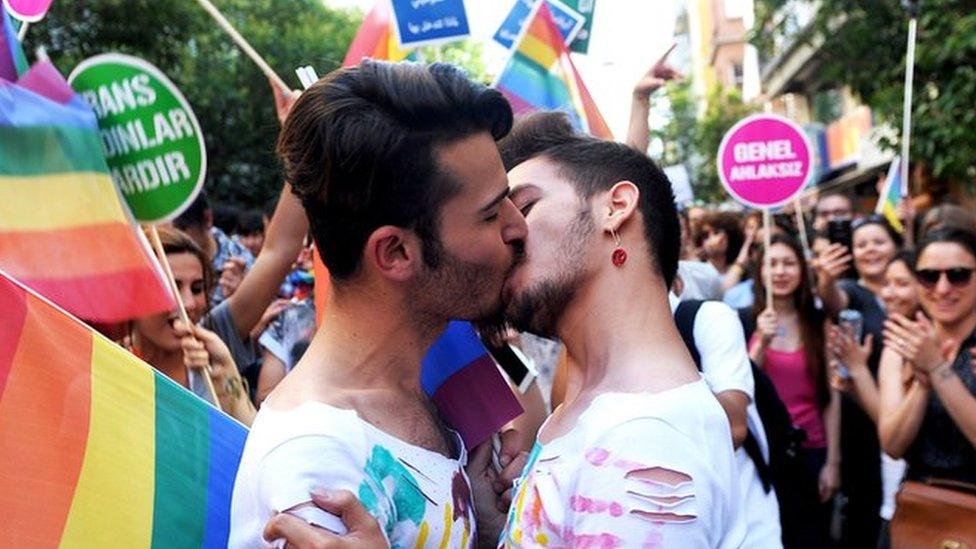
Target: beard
column 455, row 289
column 538, row 308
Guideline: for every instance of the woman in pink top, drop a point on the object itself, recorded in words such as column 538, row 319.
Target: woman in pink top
column 788, row 345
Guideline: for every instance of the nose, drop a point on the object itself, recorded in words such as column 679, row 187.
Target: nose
column 515, row 229
column 186, row 296
column 943, row 287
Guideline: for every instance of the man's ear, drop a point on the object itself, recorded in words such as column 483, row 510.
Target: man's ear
column 393, row 252
column 621, row 201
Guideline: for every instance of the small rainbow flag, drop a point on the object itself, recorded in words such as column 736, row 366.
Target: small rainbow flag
column 376, row 38
column 64, row 230
column 97, row 449
column 541, row 75
column 891, row 196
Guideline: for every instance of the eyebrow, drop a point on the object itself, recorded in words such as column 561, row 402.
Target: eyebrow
column 522, row 188
column 495, row 201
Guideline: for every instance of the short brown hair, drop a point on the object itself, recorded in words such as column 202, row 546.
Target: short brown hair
column 359, row 151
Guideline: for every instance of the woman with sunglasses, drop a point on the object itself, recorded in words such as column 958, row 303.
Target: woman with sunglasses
column 875, row 243
column 930, row 419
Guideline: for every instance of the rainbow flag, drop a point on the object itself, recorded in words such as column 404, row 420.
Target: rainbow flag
column 463, row 381
column 891, row 196
column 541, row 75
column 97, row 449
column 376, row 38
column 64, row 230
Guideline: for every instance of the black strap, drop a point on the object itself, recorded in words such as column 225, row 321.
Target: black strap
column 684, row 318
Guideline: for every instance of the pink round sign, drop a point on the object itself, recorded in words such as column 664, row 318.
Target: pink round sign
column 764, row 160
column 31, row 11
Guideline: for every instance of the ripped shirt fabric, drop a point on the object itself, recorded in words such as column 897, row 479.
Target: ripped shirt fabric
column 638, row 470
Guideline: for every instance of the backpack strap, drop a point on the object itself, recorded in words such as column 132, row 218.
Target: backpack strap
column 684, row 318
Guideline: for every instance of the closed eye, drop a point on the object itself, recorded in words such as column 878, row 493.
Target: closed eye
column 527, row 208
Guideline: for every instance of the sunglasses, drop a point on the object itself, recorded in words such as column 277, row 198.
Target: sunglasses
column 957, row 276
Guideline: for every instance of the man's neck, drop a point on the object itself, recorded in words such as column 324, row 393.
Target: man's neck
column 619, row 330
column 366, row 343
column 958, row 331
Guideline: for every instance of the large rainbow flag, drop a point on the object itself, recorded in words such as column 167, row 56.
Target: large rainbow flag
column 64, row 230
column 891, row 196
column 97, row 449
column 540, row 75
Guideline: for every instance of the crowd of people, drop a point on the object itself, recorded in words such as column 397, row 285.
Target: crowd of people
column 696, row 389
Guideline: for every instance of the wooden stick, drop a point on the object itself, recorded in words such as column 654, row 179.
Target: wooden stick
column 906, row 123
column 22, row 31
column 243, row 44
column 158, row 245
column 767, row 276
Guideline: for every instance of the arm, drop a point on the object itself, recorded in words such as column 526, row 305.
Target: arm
column 901, row 408
column 737, row 270
column 735, row 404
column 766, row 326
column 855, row 357
column 830, row 264
column 272, row 372
column 638, row 130
column 959, row 402
column 282, row 243
column 830, row 474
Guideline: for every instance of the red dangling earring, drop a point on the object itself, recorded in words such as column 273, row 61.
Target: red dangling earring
column 619, row 255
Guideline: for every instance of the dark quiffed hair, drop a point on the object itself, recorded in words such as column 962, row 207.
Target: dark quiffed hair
column 359, row 151
column 534, row 133
column 962, row 237
column 593, row 166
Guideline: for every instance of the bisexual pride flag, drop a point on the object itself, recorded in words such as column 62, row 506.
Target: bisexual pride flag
column 97, row 448
column 540, row 75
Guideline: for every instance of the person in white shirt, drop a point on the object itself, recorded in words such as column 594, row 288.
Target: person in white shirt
column 642, row 452
column 407, row 198
column 721, row 346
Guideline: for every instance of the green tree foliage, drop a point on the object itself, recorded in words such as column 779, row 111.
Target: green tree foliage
column 229, row 94
column 693, row 141
column 865, row 50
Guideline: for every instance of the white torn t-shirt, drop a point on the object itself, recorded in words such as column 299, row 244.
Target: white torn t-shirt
column 637, row 470
column 419, row 497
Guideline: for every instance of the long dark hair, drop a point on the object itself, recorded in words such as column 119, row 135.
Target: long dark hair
column 811, row 318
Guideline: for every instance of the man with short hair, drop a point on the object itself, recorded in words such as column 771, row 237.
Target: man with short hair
column 642, row 452
column 407, row 199
column 831, row 207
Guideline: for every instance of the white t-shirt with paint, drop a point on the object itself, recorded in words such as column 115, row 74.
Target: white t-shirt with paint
column 637, row 470
column 419, row 497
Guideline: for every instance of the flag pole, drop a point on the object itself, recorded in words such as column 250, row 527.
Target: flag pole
column 243, row 44
column 767, row 275
column 22, row 31
column 161, row 253
column 906, row 126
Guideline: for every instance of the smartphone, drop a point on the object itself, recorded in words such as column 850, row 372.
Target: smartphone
column 516, row 365
column 839, row 232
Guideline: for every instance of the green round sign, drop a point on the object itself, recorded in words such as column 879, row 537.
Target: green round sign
column 152, row 140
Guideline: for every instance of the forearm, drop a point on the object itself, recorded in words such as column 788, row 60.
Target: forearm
column 757, row 352
column 283, row 242
column 835, row 300
column 733, row 276
column 639, row 129
column 865, row 390
column 959, row 402
column 898, row 429
column 831, row 419
column 735, row 403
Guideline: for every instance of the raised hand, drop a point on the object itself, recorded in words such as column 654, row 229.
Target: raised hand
column 831, row 263
column 657, row 76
